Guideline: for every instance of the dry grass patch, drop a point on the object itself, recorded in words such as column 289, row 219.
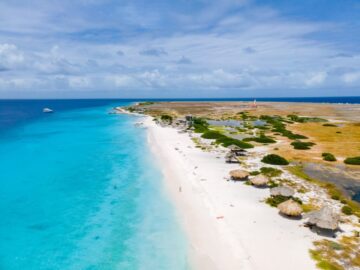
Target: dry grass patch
column 344, row 144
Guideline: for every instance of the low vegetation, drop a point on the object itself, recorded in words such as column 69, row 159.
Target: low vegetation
column 302, row 145
column 201, row 126
column 279, row 127
column 337, row 255
column 261, row 139
column 224, row 140
column 328, row 157
column 270, row 172
column 274, row 201
column 166, row 118
column 300, row 119
column 275, row 160
column 352, row 160
column 347, row 210
column 145, row 103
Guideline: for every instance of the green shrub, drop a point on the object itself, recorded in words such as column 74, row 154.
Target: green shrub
column 261, row 139
column 224, row 140
column 274, row 160
column 270, row 172
column 253, row 173
column 200, row 125
column 335, row 197
column 329, row 125
column 279, row 127
column 274, row 201
column 299, row 119
column 302, row 145
column 146, row 103
column 212, row 135
column 296, row 199
column 199, row 128
column 167, row 118
column 347, row 210
column 272, row 184
column 130, row 109
column 328, row 157
column 200, row 121
column 352, row 160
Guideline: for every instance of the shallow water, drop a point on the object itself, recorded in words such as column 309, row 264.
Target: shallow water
column 235, row 123
column 346, row 181
column 79, row 190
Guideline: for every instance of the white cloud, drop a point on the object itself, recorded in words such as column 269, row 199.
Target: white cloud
column 10, row 56
column 243, row 49
column 352, row 77
column 316, row 79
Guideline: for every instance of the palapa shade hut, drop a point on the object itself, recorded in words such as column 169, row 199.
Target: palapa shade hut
column 290, row 208
column 236, row 150
column 324, row 218
column 282, row 191
column 239, row 175
column 231, row 158
column 259, row 180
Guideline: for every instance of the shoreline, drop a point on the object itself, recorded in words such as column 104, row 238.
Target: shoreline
column 227, row 225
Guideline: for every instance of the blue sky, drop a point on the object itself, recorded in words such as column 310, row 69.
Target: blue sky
column 179, row 48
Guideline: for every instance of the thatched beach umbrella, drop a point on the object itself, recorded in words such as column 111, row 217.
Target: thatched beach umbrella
column 239, row 174
column 290, row 208
column 282, row 191
column 324, row 218
column 231, row 158
column 234, row 147
column 259, row 180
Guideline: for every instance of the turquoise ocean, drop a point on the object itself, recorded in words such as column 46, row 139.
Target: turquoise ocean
column 80, row 190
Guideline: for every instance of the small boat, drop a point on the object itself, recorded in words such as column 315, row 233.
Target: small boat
column 47, row 110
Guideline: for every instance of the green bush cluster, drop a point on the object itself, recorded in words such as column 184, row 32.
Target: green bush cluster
column 296, row 118
column 261, row 139
column 328, row 157
column 244, row 115
column 280, row 127
column 166, row 117
column 211, row 135
column 302, row 145
column 352, row 160
column 274, row 201
column 347, row 210
column 146, row 103
column 201, row 126
column 275, row 160
column 130, row 109
column 270, row 172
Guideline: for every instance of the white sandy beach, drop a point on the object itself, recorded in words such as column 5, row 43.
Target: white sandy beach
column 228, row 226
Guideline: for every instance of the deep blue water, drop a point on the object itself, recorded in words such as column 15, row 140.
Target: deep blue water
column 79, row 190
